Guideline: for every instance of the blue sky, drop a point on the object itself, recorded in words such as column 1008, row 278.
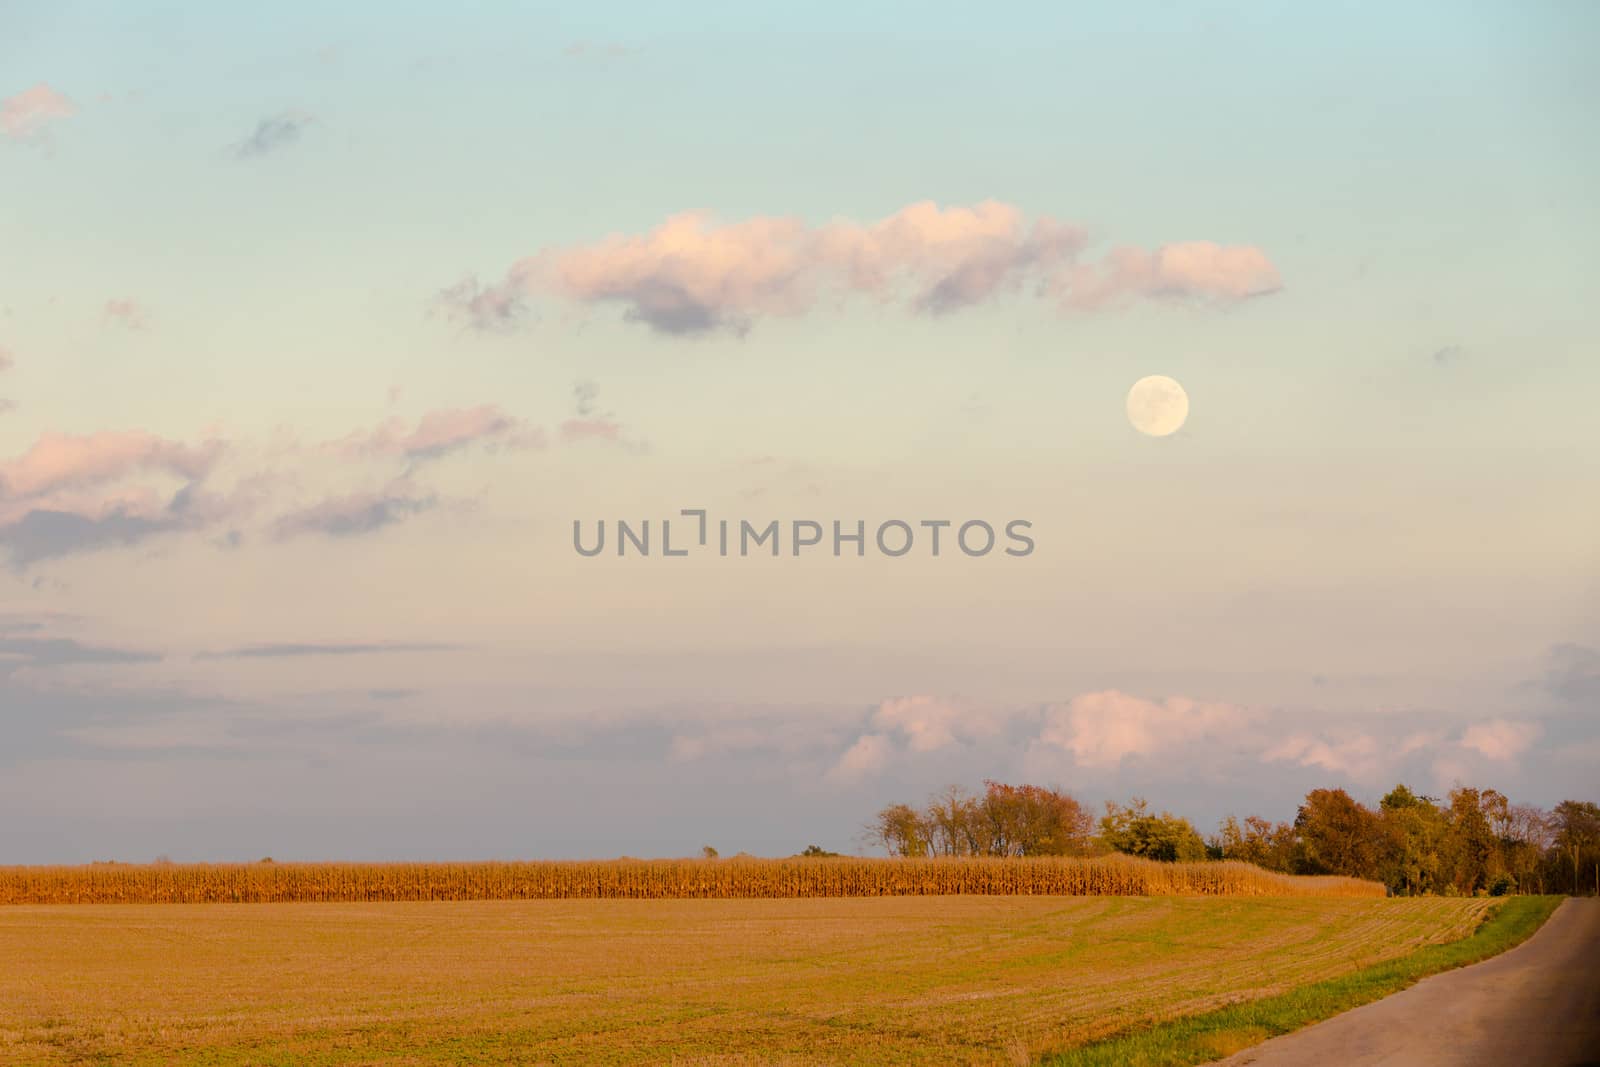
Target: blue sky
column 321, row 326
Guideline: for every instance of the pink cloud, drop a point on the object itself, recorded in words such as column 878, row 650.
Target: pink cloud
column 595, row 429
column 63, row 461
column 693, row 274
column 868, row 755
column 30, row 111
column 1357, row 756
column 128, row 313
column 1500, row 739
column 1102, row 729
column 438, row 433
column 1198, row 270
column 71, row 493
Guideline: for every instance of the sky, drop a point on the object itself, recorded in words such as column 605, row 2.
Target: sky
column 321, row 327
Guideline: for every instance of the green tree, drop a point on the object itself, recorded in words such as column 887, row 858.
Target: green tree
column 1412, row 829
column 902, row 830
column 1257, row 841
column 1134, row 830
column 1577, row 826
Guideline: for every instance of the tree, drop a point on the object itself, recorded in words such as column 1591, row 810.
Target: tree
column 1030, row 820
column 900, row 829
column 1577, row 825
column 955, row 824
column 1412, row 829
column 1257, row 841
column 1337, row 835
column 1529, row 836
column 1470, row 846
column 1134, row 830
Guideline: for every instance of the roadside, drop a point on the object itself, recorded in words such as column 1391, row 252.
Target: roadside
column 1536, row 1006
column 1207, row 1037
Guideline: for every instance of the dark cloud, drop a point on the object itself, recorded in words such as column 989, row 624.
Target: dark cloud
column 355, row 514
column 41, row 535
column 584, row 393
column 1574, row 674
column 291, row 649
column 671, row 309
column 60, row 651
column 271, row 134
column 1449, row 355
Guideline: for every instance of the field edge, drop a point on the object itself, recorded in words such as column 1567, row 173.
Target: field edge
column 1215, row 1035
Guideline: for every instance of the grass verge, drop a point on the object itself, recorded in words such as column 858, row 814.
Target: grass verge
column 1215, row 1034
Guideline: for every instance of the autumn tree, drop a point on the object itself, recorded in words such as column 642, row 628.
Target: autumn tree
column 1471, row 848
column 1133, row 829
column 1030, row 820
column 1337, row 835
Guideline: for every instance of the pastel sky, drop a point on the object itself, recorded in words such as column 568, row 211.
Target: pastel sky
column 321, row 324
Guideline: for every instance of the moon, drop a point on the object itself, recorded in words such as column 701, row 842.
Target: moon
column 1157, row 405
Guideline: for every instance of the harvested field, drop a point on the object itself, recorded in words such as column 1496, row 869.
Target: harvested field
column 912, row 980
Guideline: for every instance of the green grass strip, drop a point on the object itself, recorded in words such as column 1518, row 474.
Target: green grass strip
column 1215, row 1034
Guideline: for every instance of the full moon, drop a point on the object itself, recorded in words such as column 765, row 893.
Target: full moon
column 1157, row 405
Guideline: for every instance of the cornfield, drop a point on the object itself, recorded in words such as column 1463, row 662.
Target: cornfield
column 628, row 879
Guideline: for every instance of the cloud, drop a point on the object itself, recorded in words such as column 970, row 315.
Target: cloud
column 60, row 461
column 575, row 430
column 869, row 755
column 272, row 134
column 693, row 274
column 127, row 313
column 6, row 360
column 438, row 433
column 1500, row 739
column 1192, row 270
column 40, row 535
column 1449, row 355
column 928, row 723
column 584, row 395
column 353, row 514
column 1356, row 756
column 1573, row 673
column 78, row 493
column 27, row 113
column 1103, row 729
column 290, row 650
column 62, row 651
column 486, row 308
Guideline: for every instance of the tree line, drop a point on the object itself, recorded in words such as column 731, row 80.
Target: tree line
column 1472, row 841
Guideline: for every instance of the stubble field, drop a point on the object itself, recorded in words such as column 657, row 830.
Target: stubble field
column 902, row 980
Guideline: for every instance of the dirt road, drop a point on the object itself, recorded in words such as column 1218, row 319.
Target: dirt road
column 1537, row 1005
